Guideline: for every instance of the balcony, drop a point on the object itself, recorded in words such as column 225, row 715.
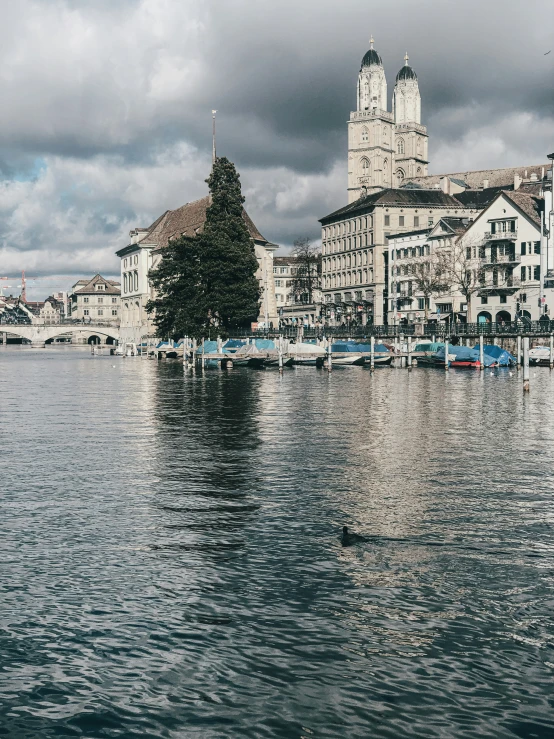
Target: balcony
column 507, row 287
column 494, row 259
column 500, row 236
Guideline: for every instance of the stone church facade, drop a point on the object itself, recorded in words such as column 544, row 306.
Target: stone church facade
column 385, row 148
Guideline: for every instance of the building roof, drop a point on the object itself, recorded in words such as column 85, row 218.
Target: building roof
column 406, row 73
column 372, row 59
column 458, row 225
column 398, row 197
column 530, row 204
column 284, row 260
column 475, row 179
column 188, row 220
column 410, row 233
column 111, row 286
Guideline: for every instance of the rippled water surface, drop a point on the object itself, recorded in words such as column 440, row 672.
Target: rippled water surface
column 170, row 563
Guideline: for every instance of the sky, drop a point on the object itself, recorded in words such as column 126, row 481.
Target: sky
column 106, row 110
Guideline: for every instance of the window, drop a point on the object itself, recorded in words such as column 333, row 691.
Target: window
column 277, row 283
column 283, row 270
column 523, row 297
column 401, row 220
column 523, row 274
column 100, row 300
column 136, row 281
column 387, row 220
column 85, row 300
column 430, row 221
column 416, row 221
column 421, row 303
column 400, row 146
column 503, row 299
column 85, row 312
column 484, row 300
column 114, row 313
column 365, row 134
column 136, row 258
column 100, row 312
column 536, row 272
column 274, row 270
column 537, row 247
column 365, row 167
column 124, row 262
column 523, row 247
column 468, row 252
column 114, row 300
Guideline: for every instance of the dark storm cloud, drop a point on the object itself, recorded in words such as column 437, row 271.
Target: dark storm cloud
column 115, row 98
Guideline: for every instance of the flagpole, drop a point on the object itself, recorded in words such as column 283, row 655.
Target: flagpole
column 213, row 136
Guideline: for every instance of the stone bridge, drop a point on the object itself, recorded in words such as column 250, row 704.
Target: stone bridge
column 39, row 333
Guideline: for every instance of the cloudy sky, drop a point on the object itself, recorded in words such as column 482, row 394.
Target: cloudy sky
column 106, row 114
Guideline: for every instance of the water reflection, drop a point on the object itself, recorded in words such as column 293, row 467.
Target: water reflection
column 171, row 563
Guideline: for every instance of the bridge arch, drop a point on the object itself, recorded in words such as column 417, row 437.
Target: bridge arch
column 41, row 333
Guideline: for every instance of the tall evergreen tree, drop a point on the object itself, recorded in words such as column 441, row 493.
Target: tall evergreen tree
column 228, row 260
column 208, row 281
column 179, row 307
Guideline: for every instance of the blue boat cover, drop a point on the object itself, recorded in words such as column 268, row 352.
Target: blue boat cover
column 233, row 344
column 429, row 346
column 504, row 358
column 465, row 354
column 356, row 348
column 210, row 347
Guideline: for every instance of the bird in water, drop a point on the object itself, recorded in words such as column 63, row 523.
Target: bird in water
column 348, row 539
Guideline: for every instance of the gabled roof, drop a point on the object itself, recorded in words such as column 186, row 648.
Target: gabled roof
column 530, row 204
column 397, row 197
column 111, row 287
column 527, row 203
column 474, row 179
column 188, row 220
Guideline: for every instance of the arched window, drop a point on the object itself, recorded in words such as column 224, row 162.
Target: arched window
column 365, row 134
column 125, row 282
column 400, row 176
column 365, row 167
column 136, row 281
column 400, row 146
column 419, row 171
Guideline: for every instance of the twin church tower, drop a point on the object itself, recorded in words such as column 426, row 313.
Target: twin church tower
column 384, row 149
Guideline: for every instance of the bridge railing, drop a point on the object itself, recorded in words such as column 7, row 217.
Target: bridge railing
column 69, row 322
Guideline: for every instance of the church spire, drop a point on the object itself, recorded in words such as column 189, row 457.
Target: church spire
column 371, row 42
column 406, row 60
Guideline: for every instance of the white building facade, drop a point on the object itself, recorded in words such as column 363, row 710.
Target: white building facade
column 145, row 251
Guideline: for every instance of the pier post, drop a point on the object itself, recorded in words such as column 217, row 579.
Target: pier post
column 446, row 353
column 551, row 351
column 280, row 345
column 4, row 338
column 329, row 357
column 219, row 345
column 433, row 337
column 203, row 354
column 409, row 353
column 525, row 364
column 518, row 352
column 481, row 353
column 372, row 354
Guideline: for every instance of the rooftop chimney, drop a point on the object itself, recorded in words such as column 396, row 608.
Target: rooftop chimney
column 517, row 181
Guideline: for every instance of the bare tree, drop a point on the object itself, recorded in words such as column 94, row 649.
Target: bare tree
column 307, row 278
column 462, row 267
column 430, row 278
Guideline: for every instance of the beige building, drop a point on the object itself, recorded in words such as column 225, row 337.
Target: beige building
column 145, row 251
column 95, row 300
column 293, row 307
column 503, row 246
column 355, row 248
column 52, row 311
column 385, row 148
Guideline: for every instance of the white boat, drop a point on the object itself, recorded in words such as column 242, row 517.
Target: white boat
column 346, row 360
column 310, row 355
column 539, row 355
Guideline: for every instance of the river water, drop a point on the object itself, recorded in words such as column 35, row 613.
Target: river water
column 170, row 564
